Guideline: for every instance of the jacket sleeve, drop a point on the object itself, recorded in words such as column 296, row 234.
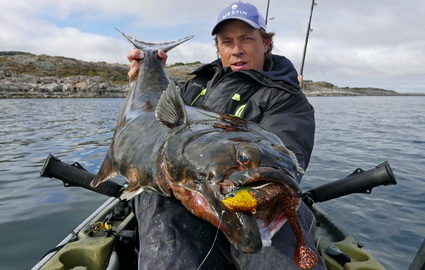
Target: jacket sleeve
column 291, row 117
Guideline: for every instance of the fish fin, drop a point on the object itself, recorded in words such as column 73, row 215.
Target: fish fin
column 99, row 179
column 165, row 46
column 133, row 189
column 128, row 195
column 171, row 110
column 105, row 172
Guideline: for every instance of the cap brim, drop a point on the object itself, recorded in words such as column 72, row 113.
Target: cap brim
column 216, row 27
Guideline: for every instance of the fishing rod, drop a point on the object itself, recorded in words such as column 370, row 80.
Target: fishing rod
column 267, row 11
column 301, row 76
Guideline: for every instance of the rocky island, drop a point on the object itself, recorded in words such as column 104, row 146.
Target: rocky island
column 26, row 75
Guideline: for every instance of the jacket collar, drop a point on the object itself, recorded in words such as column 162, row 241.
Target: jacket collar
column 279, row 73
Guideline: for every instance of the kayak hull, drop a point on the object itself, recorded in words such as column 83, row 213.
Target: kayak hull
column 339, row 249
column 98, row 249
column 94, row 245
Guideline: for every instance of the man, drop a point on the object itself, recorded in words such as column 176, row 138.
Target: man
column 249, row 82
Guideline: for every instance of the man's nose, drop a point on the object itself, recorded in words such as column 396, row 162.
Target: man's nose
column 237, row 49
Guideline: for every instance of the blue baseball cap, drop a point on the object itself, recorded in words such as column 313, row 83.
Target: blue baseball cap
column 243, row 11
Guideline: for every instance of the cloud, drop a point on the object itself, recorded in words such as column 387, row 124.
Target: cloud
column 371, row 43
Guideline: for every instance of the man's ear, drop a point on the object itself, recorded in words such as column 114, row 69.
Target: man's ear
column 267, row 44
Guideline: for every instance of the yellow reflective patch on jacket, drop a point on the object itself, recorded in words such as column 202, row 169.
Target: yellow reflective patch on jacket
column 240, row 110
column 203, row 92
column 236, row 97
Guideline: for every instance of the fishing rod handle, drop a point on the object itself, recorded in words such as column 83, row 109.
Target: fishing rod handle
column 75, row 175
column 359, row 181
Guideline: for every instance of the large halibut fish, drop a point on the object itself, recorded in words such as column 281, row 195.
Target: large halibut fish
column 200, row 157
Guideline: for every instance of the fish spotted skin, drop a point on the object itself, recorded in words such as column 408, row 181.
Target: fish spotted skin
column 161, row 145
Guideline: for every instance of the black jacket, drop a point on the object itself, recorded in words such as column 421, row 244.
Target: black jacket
column 271, row 98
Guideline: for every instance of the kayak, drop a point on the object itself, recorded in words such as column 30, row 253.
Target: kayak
column 339, row 249
column 107, row 240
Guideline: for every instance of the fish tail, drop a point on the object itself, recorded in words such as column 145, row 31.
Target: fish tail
column 305, row 257
column 165, row 46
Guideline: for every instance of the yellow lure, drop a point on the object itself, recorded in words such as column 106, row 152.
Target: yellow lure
column 240, row 200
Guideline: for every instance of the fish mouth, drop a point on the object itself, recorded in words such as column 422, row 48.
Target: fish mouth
column 245, row 231
column 264, row 229
column 262, row 175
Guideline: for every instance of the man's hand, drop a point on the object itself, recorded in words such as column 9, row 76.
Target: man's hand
column 135, row 56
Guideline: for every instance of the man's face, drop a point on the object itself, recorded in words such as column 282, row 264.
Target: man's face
column 241, row 46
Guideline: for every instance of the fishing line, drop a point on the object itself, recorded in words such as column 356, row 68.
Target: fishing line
column 215, row 240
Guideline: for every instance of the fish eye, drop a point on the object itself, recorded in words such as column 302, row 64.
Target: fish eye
column 231, row 195
column 248, row 156
column 243, row 159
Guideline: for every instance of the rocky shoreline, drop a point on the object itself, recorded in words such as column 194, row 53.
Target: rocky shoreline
column 25, row 75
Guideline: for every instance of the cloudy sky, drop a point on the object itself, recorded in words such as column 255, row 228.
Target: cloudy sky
column 379, row 43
